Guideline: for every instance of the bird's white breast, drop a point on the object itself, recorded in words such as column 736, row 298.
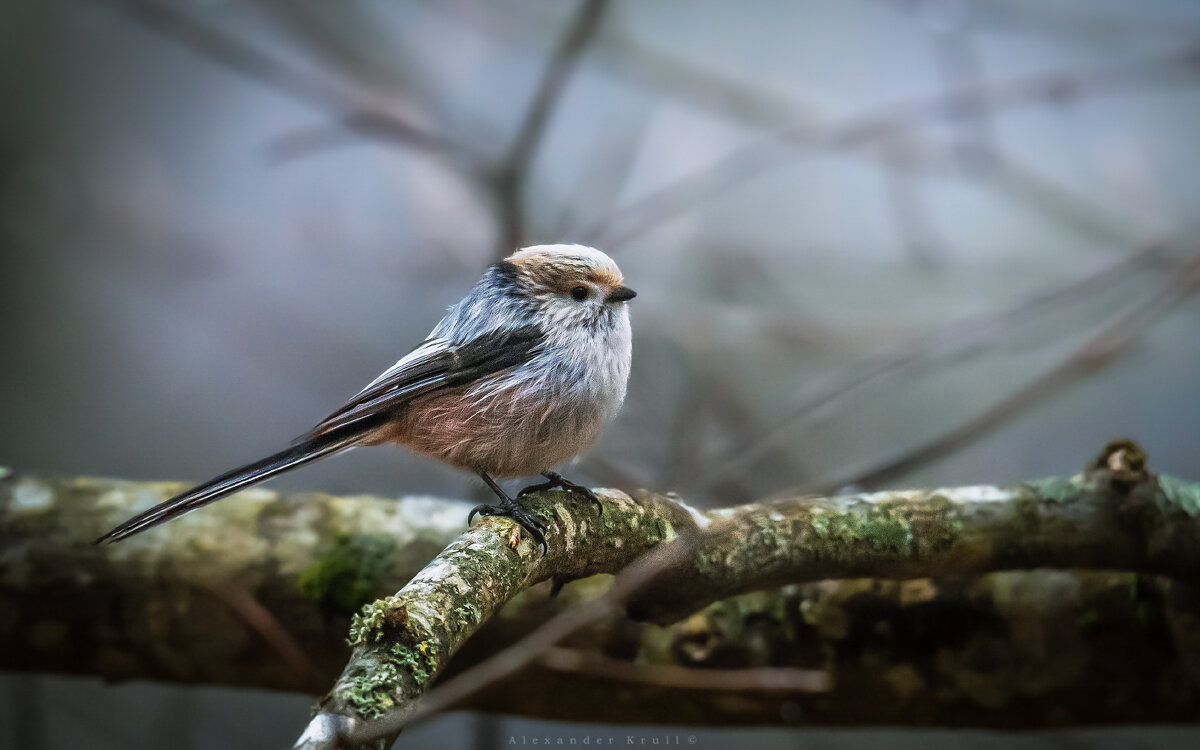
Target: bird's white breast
column 556, row 405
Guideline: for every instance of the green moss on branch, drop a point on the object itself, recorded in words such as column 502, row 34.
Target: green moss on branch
column 1109, row 516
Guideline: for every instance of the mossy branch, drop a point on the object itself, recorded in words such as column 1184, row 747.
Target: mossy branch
column 256, row 591
column 1114, row 515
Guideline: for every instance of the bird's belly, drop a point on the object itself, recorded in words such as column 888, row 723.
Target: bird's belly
column 509, row 433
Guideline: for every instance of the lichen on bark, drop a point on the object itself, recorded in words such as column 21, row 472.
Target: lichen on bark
column 1111, row 514
column 469, row 581
column 164, row 605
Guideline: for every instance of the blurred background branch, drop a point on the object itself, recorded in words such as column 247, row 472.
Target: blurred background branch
column 376, row 116
column 511, row 175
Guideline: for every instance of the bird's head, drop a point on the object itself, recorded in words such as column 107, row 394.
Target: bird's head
column 570, row 284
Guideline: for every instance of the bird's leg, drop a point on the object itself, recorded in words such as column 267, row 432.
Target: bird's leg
column 508, row 508
column 554, row 481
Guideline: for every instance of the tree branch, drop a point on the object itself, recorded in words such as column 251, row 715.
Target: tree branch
column 145, row 608
column 628, row 222
column 1098, row 352
column 513, row 171
column 955, row 340
column 360, row 111
column 1114, row 515
column 218, row 597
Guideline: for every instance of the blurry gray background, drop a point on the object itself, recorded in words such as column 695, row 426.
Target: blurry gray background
column 876, row 243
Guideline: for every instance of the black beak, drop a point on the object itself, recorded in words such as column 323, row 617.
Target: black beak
column 620, row 294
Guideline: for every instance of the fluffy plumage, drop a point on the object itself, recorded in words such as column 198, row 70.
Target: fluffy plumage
column 518, row 377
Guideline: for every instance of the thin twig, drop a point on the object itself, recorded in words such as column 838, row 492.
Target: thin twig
column 746, row 162
column 346, row 41
column 260, row 619
column 651, row 69
column 1098, row 353
column 1083, row 23
column 239, row 57
column 513, row 171
column 947, row 27
column 1025, row 184
column 953, row 341
column 909, row 211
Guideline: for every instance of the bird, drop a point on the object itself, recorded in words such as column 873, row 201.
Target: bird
column 517, row 378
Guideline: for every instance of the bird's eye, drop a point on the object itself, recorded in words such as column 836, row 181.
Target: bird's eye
column 579, row 293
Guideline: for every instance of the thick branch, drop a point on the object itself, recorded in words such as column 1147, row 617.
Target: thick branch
column 219, row 596
column 249, row 591
column 1114, row 515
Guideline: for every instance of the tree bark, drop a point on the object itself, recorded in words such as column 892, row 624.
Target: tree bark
column 256, row 591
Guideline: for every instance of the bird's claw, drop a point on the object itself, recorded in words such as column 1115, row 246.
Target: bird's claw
column 558, row 481
column 517, row 515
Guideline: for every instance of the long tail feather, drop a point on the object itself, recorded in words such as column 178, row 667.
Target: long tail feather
column 232, row 481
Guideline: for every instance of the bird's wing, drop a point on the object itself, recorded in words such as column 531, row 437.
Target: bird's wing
column 436, row 363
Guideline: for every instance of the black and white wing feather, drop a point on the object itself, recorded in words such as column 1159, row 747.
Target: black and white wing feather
column 436, row 363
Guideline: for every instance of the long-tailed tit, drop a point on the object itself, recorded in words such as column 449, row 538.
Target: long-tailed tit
column 520, row 376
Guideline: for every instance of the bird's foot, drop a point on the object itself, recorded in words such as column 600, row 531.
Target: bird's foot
column 555, row 481
column 515, row 513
